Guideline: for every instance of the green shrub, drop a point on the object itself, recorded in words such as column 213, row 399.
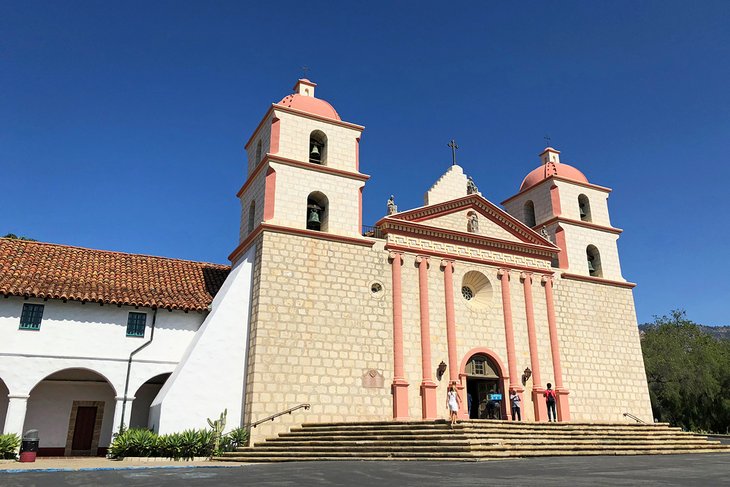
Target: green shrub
column 234, row 439
column 186, row 445
column 9, row 445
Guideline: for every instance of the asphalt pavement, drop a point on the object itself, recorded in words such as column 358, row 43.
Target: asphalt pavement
column 651, row 470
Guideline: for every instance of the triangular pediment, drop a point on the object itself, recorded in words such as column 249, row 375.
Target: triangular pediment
column 451, row 218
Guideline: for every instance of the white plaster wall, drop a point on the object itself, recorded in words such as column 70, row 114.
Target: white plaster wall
column 294, row 185
column 210, row 376
column 91, row 337
column 294, row 140
column 49, row 409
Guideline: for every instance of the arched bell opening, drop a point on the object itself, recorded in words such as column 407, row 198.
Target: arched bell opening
column 593, row 258
column 3, row 404
column 143, row 398
column 317, row 212
column 318, row 147
column 251, row 216
column 486, row 384
column 584, row 207
column 529, row 212
column 73, row 411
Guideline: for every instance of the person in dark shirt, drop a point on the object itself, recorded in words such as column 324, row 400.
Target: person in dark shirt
column 550, row 399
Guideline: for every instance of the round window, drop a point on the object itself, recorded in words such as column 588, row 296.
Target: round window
column 376, row 289
column 467, row 293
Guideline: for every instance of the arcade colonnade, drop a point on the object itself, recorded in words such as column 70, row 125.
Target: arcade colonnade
column 49, row 396
column 456, row 368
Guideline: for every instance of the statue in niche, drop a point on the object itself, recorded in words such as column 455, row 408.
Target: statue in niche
column 472, row 225
column 392, row 208
column 471, row 187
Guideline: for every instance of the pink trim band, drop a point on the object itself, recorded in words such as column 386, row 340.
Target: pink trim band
column 597, row 280
column 269, row 194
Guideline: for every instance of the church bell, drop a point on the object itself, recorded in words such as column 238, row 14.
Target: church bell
column 582, row 212
column 313, row 217
column 591, row 269
column 314, row 154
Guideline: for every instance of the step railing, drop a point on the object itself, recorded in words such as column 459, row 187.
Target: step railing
column 629, row 415
column 304, row 406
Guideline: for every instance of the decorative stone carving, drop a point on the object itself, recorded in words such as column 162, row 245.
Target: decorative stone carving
column 392, row 208
column 471, row 187
column 373, row 379
column 472, row 225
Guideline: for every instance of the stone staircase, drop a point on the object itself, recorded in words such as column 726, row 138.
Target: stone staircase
column 471, row 440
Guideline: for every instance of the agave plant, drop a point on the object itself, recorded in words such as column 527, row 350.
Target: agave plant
column 9, row 444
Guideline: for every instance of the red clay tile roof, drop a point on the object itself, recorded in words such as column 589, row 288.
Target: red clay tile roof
column 43, row 270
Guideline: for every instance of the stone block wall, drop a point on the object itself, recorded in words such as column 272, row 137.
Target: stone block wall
column 602, row 364
column 317, row 330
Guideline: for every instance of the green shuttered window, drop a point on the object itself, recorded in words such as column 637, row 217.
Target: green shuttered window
column 31, row 317
column 136, row 324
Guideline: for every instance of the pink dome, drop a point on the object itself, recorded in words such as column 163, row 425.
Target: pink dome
column 310, row 104
column 552, row 169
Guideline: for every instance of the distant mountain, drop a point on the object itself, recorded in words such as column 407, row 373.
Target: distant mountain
column 719, row 332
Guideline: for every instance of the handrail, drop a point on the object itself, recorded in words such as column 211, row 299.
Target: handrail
column 634, row 418
column 274, row 416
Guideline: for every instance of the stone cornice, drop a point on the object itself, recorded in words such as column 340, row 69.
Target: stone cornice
column 580, row 223
column 316, row 167
column 354, row 126
column 598, row 280
column 558, row 178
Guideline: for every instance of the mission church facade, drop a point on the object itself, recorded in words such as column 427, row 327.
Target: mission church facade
column 361, row 327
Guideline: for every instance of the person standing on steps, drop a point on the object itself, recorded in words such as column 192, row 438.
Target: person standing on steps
column 453, row 401
column 550, row 399
column 515, row 401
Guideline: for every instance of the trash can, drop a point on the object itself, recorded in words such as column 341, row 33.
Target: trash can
column 29, row 446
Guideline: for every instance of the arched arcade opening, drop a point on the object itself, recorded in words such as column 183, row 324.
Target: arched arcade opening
column 73, row 411
column 143, row 400
column 486, row 383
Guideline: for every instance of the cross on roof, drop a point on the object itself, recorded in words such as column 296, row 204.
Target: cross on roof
column 304, row 70
column 453, row 146
column 547, row 140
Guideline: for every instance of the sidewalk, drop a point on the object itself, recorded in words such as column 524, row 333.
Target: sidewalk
column 99, row 463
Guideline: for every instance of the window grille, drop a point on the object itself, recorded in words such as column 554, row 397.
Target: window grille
column 31, row 317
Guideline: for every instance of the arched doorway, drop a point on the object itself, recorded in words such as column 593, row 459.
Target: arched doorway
column 3, row 404
column 485, row 385
column 143, row 400
column 73, row 411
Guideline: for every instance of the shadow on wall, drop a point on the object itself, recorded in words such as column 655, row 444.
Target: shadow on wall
column 3, row 404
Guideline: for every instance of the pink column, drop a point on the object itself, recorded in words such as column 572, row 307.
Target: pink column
column 400, row 386
column 428, row 386
column 509, row 336
column 561, row 392
column 538, row 400
column 448, row 266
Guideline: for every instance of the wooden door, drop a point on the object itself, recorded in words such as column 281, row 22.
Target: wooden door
column 84, row 428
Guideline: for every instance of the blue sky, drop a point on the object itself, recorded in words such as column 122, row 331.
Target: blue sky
column 122, row 123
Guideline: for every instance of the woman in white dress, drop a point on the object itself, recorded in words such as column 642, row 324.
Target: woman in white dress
column 453, row 402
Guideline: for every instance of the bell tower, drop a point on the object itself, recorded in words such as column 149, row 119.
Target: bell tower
column 303, row 169
column 557, row 199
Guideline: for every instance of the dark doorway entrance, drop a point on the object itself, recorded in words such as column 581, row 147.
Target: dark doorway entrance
column 483, row 384
column 84, row 428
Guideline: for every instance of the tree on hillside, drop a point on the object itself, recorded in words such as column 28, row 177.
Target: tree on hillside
column 12, row 235
column 688, row 373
